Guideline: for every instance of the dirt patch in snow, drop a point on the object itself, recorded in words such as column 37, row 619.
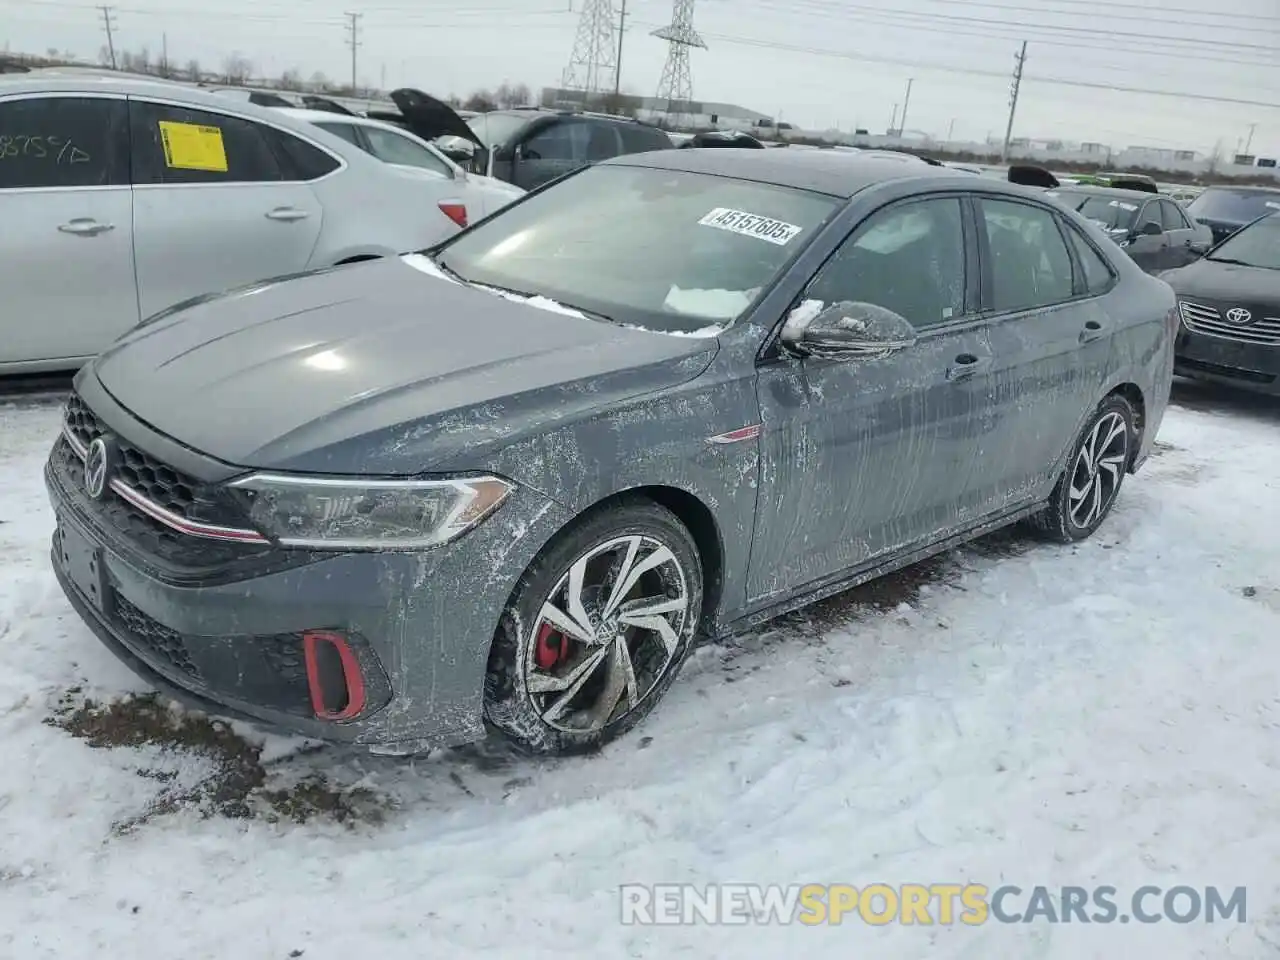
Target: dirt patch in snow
column 236, row 782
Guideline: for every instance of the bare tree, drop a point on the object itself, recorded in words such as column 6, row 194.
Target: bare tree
column 51, row 53
column 291, row 79
column 521, row 95
column 193, row 71
column 318, row 82
column 481, row 101
column 104, row 55
column 1215, row 158
column 236, row 68
column 136, row 61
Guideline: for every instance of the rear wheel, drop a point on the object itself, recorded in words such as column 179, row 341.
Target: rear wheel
column 1090, row 484
column 596, row 631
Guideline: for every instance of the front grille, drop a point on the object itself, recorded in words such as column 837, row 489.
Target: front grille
column 1212, row 321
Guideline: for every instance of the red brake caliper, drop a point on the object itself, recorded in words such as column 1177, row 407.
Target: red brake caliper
column 550, row 647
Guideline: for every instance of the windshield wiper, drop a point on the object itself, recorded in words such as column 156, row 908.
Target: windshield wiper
column 448, row 271
column 589, row 314
column 1238, row 263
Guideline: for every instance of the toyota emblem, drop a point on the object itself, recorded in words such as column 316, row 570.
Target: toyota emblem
column 1239, row 315
column 96, row 464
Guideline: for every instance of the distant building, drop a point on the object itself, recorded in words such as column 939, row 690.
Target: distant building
column 693, row 113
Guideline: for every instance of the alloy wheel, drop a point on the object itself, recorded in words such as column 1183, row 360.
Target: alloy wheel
column 1098, row 470
column 607, row 633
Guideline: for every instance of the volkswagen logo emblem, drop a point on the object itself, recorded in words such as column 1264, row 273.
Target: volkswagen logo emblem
column 1239, row 315
column 97, row 463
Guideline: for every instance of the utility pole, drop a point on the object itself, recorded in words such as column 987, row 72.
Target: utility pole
column 893, row 121
column 617, row 69
column 1013, row 101
column 164, row 54
column 951, row 127
column 354, row 27
column 111, row 43
column 1249, row 143
column 906, row 102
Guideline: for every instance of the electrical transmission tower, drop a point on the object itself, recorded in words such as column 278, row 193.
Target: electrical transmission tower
column 593, row 64
column 676, row 85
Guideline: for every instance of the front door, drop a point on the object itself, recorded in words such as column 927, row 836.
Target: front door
column 861, row 458
column 1150, row 252
column 66, row 250
column 1050, row 340
column 1182, row 236
column 212, row 207
column 552, row 151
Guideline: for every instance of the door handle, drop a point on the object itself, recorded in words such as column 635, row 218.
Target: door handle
column 966, row 365
column 1092, row 331
column 85, row 227
column 288, row 214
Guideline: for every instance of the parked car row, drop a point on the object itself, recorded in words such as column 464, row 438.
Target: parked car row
column 507, row 483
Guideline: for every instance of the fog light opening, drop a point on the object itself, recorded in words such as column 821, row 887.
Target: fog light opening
column 333, row 676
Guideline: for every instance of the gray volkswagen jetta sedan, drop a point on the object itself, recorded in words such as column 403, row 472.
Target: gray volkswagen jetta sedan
column 509, row 482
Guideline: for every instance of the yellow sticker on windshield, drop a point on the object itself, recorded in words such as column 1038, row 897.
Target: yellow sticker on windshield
column 190, row 146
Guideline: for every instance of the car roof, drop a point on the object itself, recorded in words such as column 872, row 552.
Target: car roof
column 836, row 174
column 1241, row 188
column 1118, row 193
column 328, row 116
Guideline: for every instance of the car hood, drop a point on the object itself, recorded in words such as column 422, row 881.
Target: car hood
column 1227, row 282
column 378, row 368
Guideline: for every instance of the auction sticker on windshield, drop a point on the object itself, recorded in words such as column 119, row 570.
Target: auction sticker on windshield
column 191, row 146
column 751, row 225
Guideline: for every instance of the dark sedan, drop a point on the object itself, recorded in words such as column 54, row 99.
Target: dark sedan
column 1153, row 230
column 508, row 483
column 1226, row 209
column 1230, row 307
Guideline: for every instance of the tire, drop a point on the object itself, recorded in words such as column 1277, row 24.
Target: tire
column 1069, row 517
column 541, row 651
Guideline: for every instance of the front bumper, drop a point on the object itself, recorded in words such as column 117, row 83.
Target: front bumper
column 1217, row 359
column 418, row 625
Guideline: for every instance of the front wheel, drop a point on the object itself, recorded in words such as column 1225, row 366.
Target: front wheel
column 596, row 631
column 1088, row 487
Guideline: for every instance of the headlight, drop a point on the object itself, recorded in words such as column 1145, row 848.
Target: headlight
column 360, row 514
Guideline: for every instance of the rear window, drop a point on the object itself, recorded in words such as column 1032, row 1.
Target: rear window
column 660, row 249
column 637, row 138
column 1234, row 206
column 1109, row 213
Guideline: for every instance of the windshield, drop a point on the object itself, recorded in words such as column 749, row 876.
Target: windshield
column 660, row 249
column 496, row 128
column 1107, row 212
column 1234, row 206
column 1257, row 245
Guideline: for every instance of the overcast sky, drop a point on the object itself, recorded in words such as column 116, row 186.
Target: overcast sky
column 815, row 63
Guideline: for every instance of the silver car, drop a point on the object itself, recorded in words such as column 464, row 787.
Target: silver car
column 122, row 197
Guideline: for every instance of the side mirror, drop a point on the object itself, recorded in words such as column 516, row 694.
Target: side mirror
column 846, row 331
column 1151, row 229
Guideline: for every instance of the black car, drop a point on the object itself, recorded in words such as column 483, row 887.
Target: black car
column 1226, row 209
column 1153, row 230
column 532, row 146
column 1230, row 307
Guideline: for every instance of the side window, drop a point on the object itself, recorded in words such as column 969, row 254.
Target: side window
column 908, row 257
column 603, row 141
column 564, row 140
column 302, row 161
column 637, row 138
column 1030, row 265
column 1149, row 214
column 392, row 148
column 1172, row 217
column 1097, row 273
column 179, row 145
column 62, row 142
column 347, row 131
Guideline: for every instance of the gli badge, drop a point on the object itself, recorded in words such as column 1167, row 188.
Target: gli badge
column 97, row 467
column 1239, row 315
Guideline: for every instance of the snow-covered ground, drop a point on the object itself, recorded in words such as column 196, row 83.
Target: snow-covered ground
column 1104, row 714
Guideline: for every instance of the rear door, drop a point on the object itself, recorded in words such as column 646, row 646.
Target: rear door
column 1051, row 342
column 1151, row 253
column 214, row 204
column 66, row 247
column 1183, row 248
